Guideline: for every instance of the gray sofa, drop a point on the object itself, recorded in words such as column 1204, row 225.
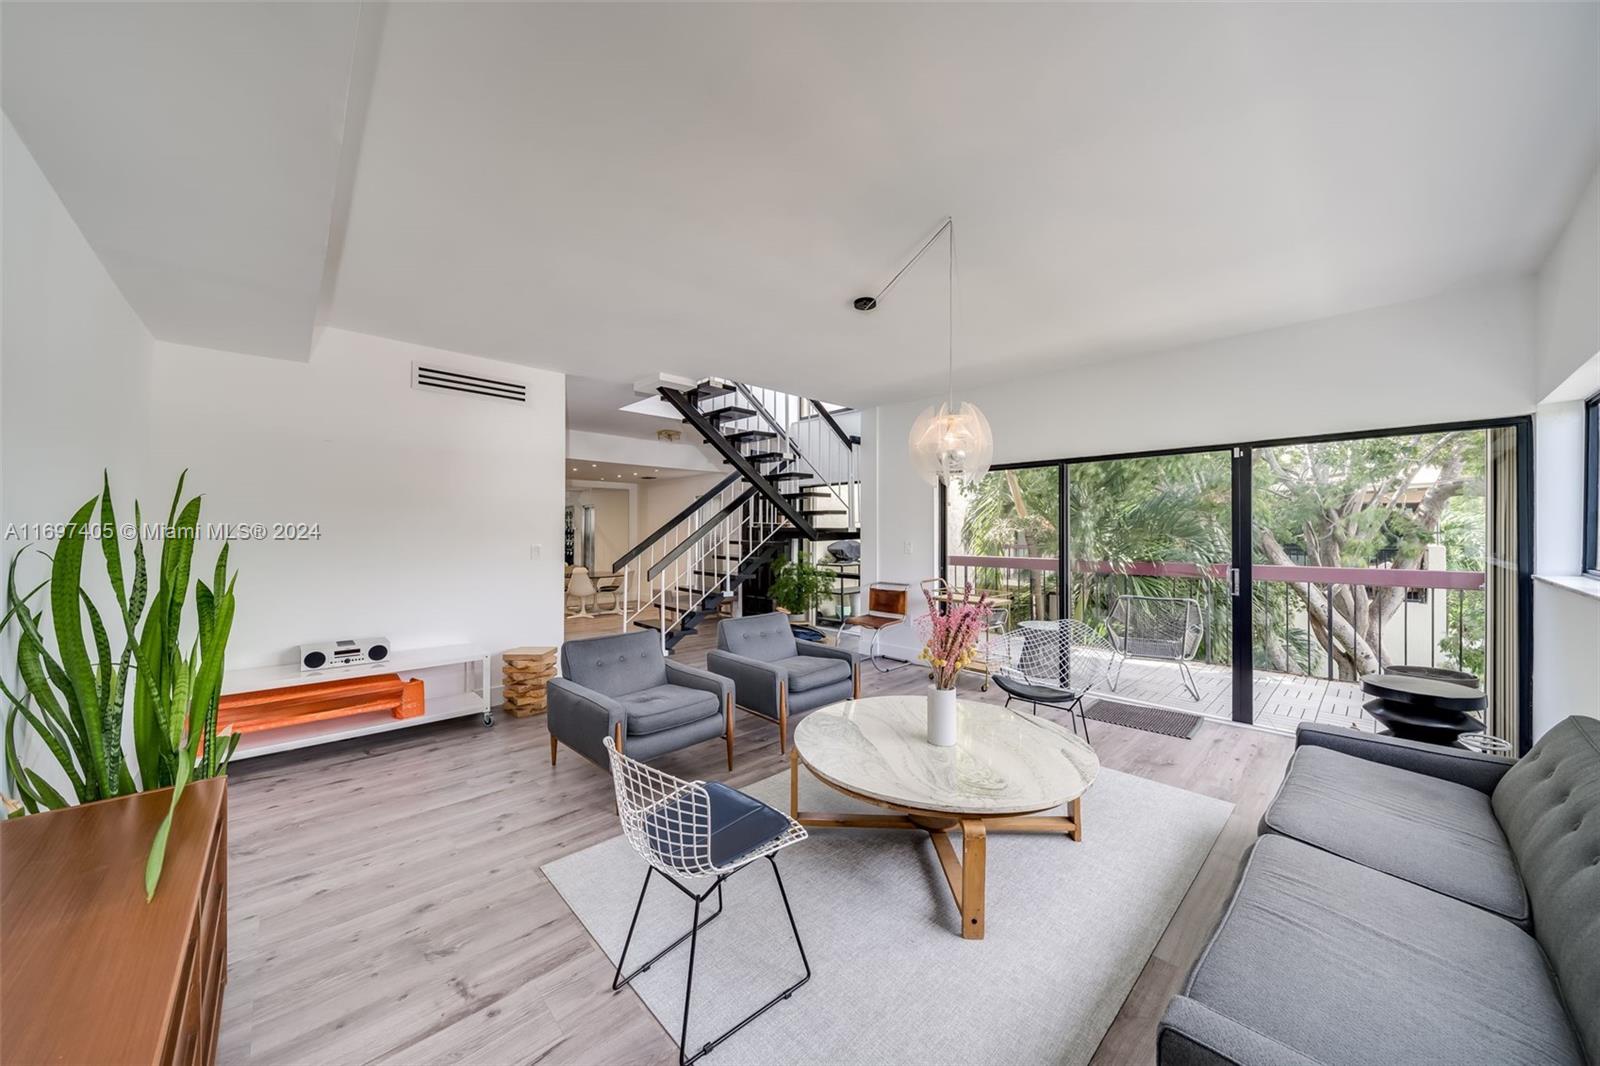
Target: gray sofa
column 625, row 688
column 1410, row 903
column 775, row 675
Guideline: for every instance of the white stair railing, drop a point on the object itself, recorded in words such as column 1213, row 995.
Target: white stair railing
column 699, row 557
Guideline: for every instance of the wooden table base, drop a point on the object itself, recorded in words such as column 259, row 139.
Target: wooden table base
column 964, row 873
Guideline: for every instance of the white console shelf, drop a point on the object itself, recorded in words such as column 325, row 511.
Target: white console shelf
column 455, row 679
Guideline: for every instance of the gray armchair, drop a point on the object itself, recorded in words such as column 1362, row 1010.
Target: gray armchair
column 774, row 674
column 625, row 688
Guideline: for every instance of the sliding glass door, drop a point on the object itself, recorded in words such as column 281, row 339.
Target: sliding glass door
column 1381, row 552
column 1261, row 582
column 1003, row 535
column 1150, row 566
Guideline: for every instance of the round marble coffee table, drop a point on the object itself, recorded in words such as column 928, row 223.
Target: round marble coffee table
column 1004, row 770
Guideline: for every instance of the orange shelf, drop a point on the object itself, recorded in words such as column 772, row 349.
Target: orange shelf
column 254, row 712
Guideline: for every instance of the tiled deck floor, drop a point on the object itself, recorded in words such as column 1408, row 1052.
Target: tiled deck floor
column 1282, row 701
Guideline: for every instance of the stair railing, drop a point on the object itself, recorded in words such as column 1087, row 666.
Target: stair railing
column 705, row 561
column 635, row 595
column 810, row 439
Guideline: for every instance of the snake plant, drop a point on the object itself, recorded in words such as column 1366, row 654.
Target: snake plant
column 73, row 692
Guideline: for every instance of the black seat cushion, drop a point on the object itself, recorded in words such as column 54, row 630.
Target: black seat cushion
column 1022, row 690
column 739, row 825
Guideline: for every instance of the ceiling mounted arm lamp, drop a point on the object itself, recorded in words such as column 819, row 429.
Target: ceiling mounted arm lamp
column 952, row 442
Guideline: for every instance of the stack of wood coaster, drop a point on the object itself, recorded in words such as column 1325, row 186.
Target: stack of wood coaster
column 527, row 670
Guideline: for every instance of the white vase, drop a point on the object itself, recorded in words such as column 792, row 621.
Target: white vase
column 941, row 716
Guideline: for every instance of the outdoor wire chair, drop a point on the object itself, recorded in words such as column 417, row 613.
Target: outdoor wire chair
column 1167, row 628
column 697, row 829
column 1060, row 662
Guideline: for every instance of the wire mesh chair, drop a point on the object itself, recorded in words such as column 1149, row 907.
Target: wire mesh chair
column 1059, row 664
column 697, row 829
column 1166, row 628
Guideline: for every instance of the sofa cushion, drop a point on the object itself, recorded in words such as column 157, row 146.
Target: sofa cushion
column 1350, row 965
column 627, row 662
column 1434, row 833
column 766, row 637
column 662, row 707
column 1549, row 807
column 807, row 672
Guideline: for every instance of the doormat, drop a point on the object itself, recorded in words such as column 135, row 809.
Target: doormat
column 1150, row 719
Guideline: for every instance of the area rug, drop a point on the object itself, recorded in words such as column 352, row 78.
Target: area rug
column 1150, row 719
column 1069, row 927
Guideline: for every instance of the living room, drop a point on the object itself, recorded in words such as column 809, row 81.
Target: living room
column 1089, row 510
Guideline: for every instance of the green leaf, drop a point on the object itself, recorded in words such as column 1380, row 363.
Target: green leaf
column 14, row 765
column 158, row 846
column 102, row 650
column 141, row 578
column 56, row 747
column 48, row 797
column 230, row 742
column 205, row 606
column 109, row 545
column 177, row 494
column 65, row 590
column 177, row 553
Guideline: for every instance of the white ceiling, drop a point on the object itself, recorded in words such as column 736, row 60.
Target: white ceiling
column 596, row 406
column 202, row 150
column 618, row 190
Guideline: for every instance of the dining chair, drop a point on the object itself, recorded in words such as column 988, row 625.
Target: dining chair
column 697, row 829
column 886, row 606
column 580, row 587
column 1060, row 662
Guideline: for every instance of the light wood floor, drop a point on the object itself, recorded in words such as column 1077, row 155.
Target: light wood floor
column 387, row 903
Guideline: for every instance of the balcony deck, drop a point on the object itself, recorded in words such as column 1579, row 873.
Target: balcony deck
column 1282, row 701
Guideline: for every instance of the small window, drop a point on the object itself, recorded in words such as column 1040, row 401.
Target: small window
column 1591, row 486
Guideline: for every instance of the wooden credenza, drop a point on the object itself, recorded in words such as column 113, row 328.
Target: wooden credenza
column 89, row 971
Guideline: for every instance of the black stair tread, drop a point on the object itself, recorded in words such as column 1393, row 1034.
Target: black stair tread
column 707, row 391
column 729, row 414
column 808, row 492
column 764, row 457
column 788, row 475
column 823, row 510
column 748, row 436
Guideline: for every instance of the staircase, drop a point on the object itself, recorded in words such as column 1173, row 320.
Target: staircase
column 794, row 476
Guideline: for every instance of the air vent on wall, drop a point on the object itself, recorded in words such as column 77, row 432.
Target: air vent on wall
column 424, row 376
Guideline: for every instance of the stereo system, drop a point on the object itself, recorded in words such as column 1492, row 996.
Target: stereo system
column 332, row 653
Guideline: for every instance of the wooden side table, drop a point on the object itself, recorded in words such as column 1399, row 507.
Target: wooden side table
column 526, row 673
column 93, row 973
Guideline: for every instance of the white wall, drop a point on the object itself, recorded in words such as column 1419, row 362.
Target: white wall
column 432, row 507
column 1566, row 611
column 76, row 358
column 1462, row 355
column 664, row 498
column 74, row 381
column 1569, row 297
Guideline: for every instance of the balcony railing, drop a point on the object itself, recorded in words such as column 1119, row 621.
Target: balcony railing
column 1028, row 587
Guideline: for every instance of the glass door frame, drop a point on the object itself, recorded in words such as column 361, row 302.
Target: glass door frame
column 1242, row 535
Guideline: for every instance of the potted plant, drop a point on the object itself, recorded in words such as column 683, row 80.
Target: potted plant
column 953, row 629
column 797, row 586
column 74, row 693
